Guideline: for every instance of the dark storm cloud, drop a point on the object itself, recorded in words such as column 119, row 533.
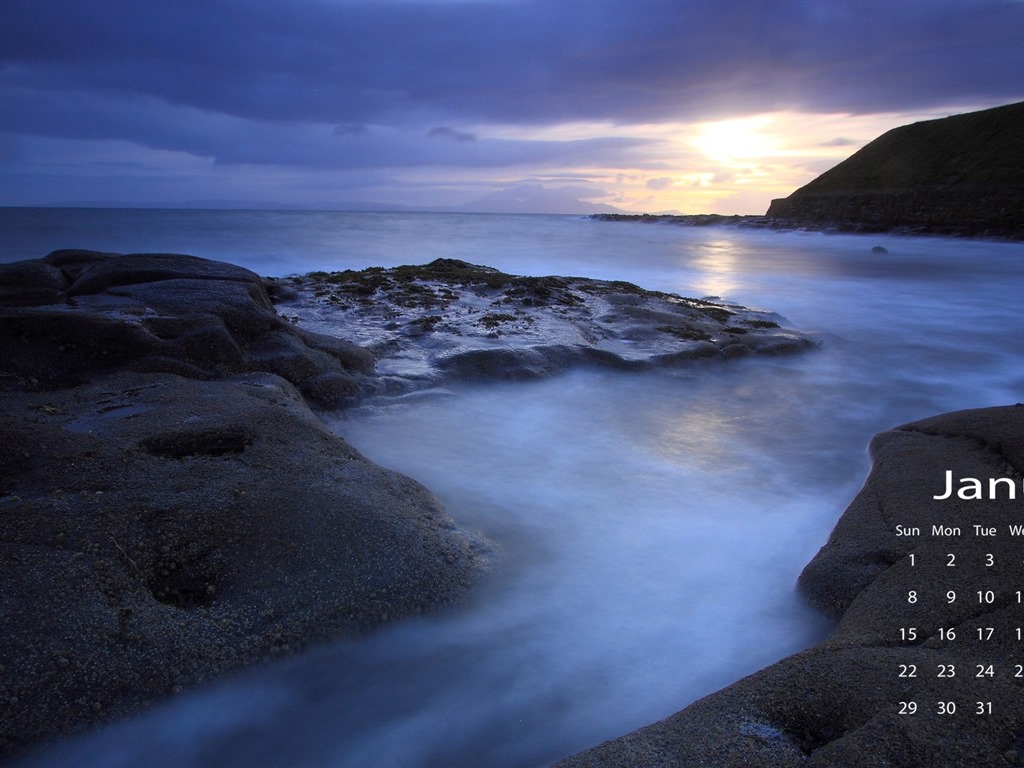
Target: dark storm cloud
column 363, row 85
column 229, row 139
column 356, row 63
column 447, row 132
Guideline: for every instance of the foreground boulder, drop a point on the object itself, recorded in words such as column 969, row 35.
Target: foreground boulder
column 839, row 705
column 172, row 507
column 76, row 314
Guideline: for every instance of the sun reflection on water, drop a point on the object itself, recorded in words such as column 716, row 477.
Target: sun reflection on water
column 715, row 266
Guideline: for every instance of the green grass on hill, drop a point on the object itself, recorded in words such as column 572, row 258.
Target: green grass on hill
column 977, row 148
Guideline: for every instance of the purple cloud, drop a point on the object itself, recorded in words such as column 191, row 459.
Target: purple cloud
column 370, row 86
column 445, row 132
column 662, row 182
column 531, row 63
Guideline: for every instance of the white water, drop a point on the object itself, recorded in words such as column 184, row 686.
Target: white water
column 650, row 527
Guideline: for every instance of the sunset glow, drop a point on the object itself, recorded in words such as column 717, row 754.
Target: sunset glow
column 507, row 107
column 735, row 142
column 734, row 166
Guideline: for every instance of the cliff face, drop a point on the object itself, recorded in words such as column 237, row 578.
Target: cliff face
column 963, row 172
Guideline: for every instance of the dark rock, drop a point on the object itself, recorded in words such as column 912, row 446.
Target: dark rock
column 73, row 261
column 159, row 531
column 113, row 270
column 80, row 313
column 838, row 705
column 833, row 215
column 172, row 508
column 45, row 347
column 510, row 364
column 351, row 356
column 330, row 390
column 25, row 283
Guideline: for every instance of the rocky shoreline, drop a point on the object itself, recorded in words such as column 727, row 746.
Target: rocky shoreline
column 835, row 224
column 175, row 508
column 837, row 705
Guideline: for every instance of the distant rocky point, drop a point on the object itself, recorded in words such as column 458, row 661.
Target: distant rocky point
column 959, row 175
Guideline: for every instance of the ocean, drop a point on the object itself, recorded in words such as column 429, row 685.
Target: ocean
column 648, row 527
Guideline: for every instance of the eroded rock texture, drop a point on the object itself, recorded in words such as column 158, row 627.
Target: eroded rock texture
column 171, row 506
column 451, row 320
column 76, row 314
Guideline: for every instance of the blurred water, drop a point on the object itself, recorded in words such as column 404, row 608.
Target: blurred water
column 649, row 527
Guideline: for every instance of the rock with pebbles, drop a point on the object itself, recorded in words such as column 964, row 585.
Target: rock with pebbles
column 450, row 320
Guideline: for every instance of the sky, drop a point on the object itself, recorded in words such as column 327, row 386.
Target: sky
column 563, row 106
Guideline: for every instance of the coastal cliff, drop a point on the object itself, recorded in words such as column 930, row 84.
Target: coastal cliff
column 962, row 174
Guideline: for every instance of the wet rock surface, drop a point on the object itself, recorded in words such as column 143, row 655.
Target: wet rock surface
column 841, row 219
column 450, row 320
column 838, row 705
column 76, row 314
column 172, row 508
